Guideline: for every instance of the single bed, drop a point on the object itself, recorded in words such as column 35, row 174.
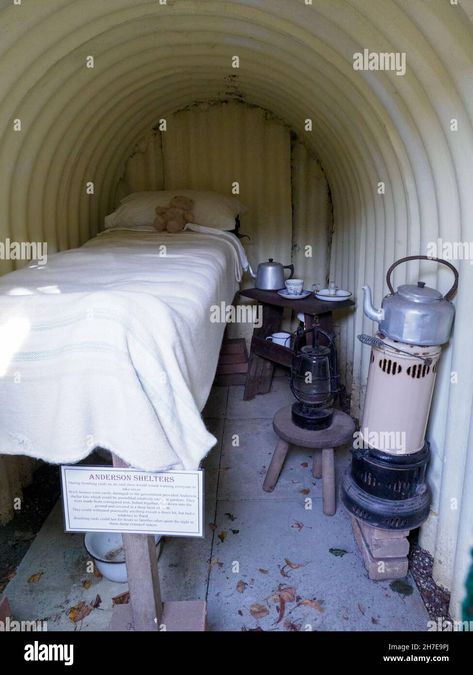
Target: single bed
column 111, row 345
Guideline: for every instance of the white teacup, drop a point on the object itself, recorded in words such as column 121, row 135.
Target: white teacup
column 282, row 338
column 295, row 286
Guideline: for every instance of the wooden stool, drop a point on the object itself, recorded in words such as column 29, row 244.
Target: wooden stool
column 322, row 442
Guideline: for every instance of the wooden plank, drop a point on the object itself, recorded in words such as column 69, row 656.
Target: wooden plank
column 143, row 580
column 233, row 357
column 231, row 380
column 260, row 371
column 274, row 352
column 181, row 617
column 234, row 346
column 309, row 305
column 272, row 317
column 265, row 379
column 229, row 368
column 251, row 384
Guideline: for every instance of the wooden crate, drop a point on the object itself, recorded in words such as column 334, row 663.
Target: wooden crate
column 232, row 363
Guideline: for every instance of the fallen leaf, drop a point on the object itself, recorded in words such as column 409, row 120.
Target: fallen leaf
column 216, row 562
column 304, row 465
column 222, row 536
column 87, row 583
column 315, row 604
column 230, row 516
column 283, row 572
column 11, row 575
column 234, row 531
column 338, row 552
column 263, row 571
column 286, row 592
column 373, row 620
column 97, row 602
column 241, row 585
column 212, row 526
column 240, row 612
column 281, row 609
column 34, row 578
column 305, row 491
column 122, row 599
column 297, row 525
column 293, row 565
column 291, row 626
column 402, row 587
column 258, row 611
column 79, row 612
column 97, row 573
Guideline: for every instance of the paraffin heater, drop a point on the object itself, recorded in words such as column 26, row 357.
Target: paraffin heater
column 386, row 485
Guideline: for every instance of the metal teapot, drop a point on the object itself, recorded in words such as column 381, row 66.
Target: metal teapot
column 414, row 314
column 270, row 275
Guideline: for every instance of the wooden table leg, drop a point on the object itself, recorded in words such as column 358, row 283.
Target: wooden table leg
column 317, row 464
column 328, row 486
column 275, row 467
column 259, row 377
column 260, row 370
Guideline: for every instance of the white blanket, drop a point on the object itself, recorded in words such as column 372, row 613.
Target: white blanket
column 111, row 345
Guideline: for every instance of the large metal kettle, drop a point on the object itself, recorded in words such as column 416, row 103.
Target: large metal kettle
column 270, row 275
column 414, row 314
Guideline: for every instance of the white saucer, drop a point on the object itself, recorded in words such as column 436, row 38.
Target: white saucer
column 284, row 294
column 339, row 297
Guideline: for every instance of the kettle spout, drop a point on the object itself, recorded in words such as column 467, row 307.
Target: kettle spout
column 369, row 310
column 250, row 271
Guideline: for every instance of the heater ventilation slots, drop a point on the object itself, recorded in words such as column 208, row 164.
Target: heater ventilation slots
column 418, row 370
column 390, row 367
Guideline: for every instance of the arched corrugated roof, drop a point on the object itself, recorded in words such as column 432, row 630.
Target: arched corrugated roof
column 79, row 124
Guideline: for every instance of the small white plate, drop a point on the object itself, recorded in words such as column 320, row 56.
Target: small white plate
column 284, row 294
column 324, row 295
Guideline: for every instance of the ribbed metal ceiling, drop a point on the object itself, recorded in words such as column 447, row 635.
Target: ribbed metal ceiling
column 80, row 125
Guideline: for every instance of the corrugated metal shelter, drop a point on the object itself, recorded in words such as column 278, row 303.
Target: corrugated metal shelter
column 84, row 83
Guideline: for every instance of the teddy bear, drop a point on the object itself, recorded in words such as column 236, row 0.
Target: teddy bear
column 174, row 217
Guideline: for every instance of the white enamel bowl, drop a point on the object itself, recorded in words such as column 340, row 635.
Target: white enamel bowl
column 106, row 548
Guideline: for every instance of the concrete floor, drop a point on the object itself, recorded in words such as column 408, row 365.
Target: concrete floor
column 257, row 545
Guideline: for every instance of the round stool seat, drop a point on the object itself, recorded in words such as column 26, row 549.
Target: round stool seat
column 322, row 441
column 338, row 433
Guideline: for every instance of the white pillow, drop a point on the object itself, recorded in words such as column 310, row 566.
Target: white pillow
column 211, row 209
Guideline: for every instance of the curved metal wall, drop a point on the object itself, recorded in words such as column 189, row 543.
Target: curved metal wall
column 80, row 124
column 282, row 185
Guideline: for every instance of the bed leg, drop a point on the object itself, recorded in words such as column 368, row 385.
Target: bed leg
column 146, row 612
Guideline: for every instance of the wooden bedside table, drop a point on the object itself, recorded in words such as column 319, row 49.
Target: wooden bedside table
column 263, row 353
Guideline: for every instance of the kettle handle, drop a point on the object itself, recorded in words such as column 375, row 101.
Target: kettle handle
column 289, row 267
column 451, row 292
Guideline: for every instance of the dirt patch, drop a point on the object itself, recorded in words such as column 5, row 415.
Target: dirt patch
column 436, row 598
column 17, row 535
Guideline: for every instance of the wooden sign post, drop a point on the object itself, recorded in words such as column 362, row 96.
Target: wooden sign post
column 146, row 612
